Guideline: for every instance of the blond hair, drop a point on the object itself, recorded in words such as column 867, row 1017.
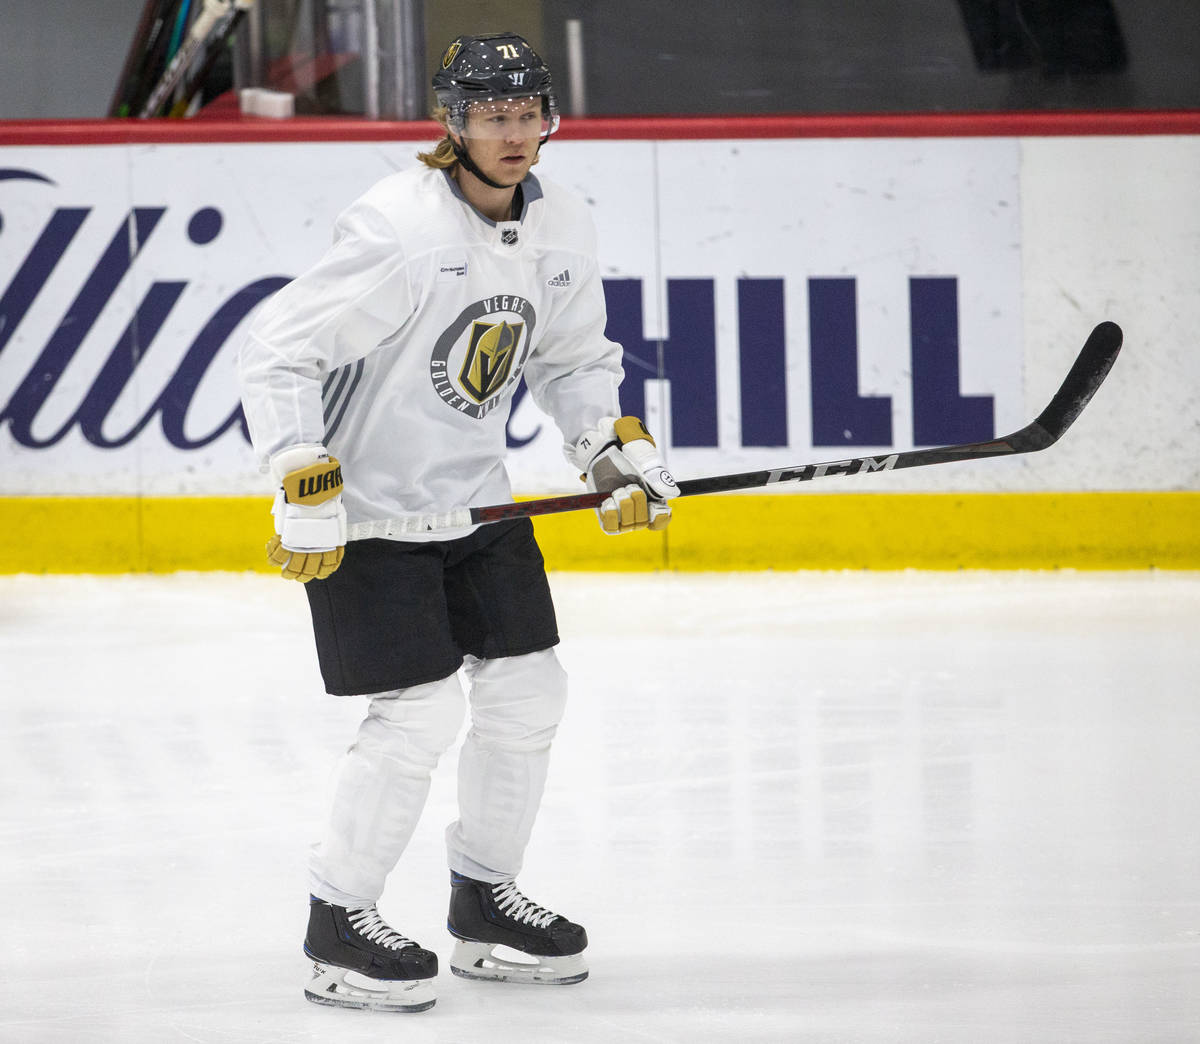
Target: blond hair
column 441, row 157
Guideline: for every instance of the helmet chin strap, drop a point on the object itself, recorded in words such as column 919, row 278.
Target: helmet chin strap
column 464, row 157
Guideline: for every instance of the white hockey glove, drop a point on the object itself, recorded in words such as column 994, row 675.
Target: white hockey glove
column 310, row 522
column 619, row 457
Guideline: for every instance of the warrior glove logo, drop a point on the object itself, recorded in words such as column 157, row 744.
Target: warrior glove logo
column 315, row 484
column 478, row 360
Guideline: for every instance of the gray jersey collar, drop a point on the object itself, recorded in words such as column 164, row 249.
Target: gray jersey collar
column 531, row 189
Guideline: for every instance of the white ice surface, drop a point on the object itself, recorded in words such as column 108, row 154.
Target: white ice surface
column 804, row 807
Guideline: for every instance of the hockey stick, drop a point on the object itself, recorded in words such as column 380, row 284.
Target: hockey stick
column 1085, row 376
column 217, row 19
column 146, row 58
column 143, row 36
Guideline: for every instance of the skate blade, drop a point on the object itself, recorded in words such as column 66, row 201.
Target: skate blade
column 485, row 961
column 343, row 988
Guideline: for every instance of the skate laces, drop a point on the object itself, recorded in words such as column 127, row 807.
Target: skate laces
column 374, row 928
column 513, row 904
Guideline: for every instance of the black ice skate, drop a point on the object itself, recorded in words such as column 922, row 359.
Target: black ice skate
column 488, row 919
column 360, row 962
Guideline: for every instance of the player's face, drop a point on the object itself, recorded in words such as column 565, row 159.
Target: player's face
column 503, row 137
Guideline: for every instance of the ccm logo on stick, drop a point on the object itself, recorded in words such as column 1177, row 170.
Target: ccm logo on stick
column 834, row 467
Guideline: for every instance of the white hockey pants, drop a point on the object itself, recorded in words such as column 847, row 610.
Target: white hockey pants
column 516, row 705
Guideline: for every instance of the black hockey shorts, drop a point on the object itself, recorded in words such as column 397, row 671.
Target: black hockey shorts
column 400, row 613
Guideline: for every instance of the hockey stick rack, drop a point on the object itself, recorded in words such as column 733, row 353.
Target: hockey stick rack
column 216, row 23
column 1085, row 376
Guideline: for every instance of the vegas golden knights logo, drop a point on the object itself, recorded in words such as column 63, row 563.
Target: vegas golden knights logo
column 478, row 358
column 451, row 51
column 489, row 361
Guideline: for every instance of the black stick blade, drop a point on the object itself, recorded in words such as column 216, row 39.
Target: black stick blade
column 1091, row 367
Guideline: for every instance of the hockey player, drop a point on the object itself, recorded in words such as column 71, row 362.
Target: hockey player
column 376, row 387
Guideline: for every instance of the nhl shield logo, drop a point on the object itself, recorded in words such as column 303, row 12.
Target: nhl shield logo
column 490, row 353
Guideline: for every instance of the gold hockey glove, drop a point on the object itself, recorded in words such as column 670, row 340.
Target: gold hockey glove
column 310, row 521
column 620, row 458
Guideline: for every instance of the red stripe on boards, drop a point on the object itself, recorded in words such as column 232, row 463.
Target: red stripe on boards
column 203, row 130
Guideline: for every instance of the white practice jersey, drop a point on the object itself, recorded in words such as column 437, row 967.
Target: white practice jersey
column 400, row 350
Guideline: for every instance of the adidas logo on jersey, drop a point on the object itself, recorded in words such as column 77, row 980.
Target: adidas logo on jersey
column 562, row 279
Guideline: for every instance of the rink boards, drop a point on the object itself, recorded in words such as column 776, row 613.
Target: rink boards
column 787, row 291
